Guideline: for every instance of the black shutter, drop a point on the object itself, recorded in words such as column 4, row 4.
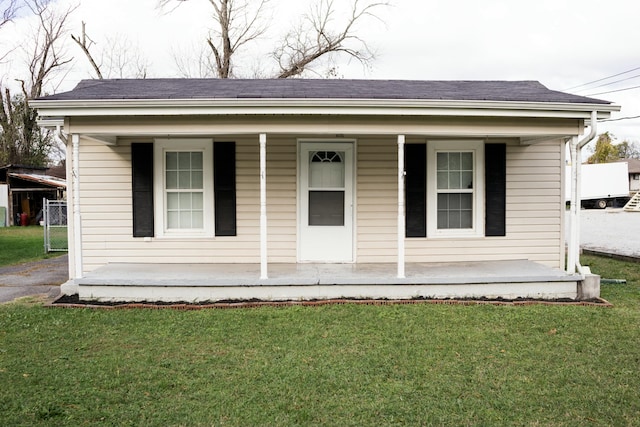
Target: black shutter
column 142, row 188
column 224, row 187
column 415, row 166
column 495, row 168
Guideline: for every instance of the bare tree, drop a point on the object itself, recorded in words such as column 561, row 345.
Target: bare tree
column 21, row 140
column 195, row 61
column 237, row 22
column 121, row 59
column 315, row 38
column 46, row 55
column 8, row 8
column 319, row 35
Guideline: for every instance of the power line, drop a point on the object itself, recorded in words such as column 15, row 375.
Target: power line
column 612, row 91
column 614, row 82
column 619, row 118
column 604, row 78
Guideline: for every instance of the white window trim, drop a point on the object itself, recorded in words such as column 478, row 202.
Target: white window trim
column 160, row 147
column 433, row 147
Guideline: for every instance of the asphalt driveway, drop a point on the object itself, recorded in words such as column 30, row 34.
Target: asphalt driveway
column 33, row 278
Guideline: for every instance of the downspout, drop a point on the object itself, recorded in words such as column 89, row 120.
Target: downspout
column 60, row 136
column 573, row 259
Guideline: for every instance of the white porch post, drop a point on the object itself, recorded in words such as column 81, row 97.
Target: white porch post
column 263, row 206
column 77, row 218
column 401, row 213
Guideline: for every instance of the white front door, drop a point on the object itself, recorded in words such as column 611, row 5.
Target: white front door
column 325, row 213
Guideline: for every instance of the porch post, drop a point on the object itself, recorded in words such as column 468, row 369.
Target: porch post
column 263, row 206
column 401, row 213
column 77, row 218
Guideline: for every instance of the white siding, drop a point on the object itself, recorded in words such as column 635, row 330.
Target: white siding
column 107, row 213
column 534, row 208
column 377, row 200
column 533, row 215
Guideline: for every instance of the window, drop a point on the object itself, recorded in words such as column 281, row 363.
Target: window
column 455, row 189
column 455, row 193
column 326, row 188
column 463, row 193
column 184, row 193
column 184, row 188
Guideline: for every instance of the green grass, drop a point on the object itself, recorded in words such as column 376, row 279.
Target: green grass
column 22, row 244
column 329, row 365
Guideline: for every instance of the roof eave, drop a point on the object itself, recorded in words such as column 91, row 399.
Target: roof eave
column 261, row 106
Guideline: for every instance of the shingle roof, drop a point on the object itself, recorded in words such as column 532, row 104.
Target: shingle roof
column 633, row 164
column 461, row 90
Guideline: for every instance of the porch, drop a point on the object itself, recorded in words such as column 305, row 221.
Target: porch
column 218, row 282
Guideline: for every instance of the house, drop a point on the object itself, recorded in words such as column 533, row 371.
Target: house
column 634, row 175
column 206, row 190
column 22, row 189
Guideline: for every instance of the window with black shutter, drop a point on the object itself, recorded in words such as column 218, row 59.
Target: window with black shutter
column 224, row 172
column 415, row 163
column 142, row 189
column 495, row 189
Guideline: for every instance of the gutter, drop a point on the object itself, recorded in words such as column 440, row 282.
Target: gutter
column 315, row 106
column 573, row 258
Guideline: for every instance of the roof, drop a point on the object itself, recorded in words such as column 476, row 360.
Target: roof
column 461, row 90
column 47, row 180
column 633, row 164
column 27, row 167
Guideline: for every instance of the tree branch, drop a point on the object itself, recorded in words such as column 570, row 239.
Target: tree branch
column 9, row 9
column 82, row 42
column 313, row 39
column 235, row 23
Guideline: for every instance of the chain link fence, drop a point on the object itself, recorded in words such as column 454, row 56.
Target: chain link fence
column 55, row 225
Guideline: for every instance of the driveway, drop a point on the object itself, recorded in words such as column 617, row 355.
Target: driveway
column 33, row 278
column 609, row 230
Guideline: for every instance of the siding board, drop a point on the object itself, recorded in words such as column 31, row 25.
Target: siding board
column 534, row 210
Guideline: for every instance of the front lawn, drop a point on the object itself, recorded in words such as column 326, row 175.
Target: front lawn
column 22, row 244
column 327, row 365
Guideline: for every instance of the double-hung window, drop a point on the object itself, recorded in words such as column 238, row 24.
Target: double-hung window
column 184, row 189
column 184, row 171
column 455, row 193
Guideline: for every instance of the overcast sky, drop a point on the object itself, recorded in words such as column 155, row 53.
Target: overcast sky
column 561, row 43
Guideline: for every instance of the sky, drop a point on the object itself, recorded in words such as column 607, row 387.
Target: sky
column 564, row 44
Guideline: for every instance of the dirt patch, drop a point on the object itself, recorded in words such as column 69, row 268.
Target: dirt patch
column 73, row 301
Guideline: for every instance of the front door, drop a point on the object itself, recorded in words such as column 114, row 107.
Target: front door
column 325, row 202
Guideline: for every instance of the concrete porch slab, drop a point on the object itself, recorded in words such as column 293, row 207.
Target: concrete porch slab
column 211, row 282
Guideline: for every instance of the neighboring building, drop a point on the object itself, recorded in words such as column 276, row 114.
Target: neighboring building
column 22, row 189
column 206, row 189
column 634, row 175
